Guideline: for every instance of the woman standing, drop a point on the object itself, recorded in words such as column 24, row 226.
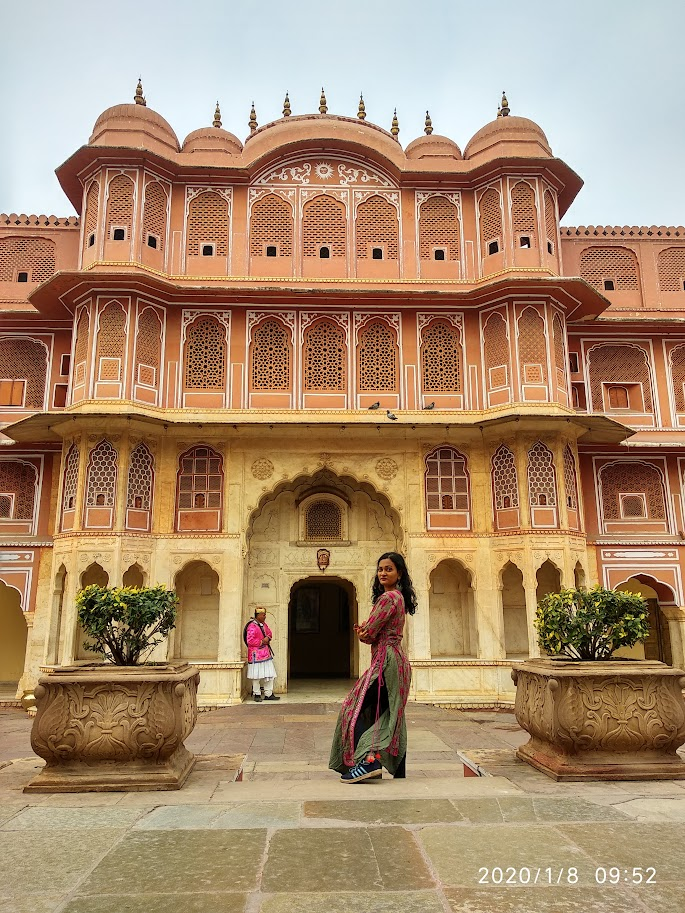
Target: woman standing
column 260, row 663
column 372, row 730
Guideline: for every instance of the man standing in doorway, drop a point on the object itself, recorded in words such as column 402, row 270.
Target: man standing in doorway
column 260, row 656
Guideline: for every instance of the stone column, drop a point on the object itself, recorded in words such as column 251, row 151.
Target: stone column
column 530, row 588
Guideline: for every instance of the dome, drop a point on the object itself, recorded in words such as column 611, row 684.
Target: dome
column 212, row 139
column 134, row 125
column 512, row 136
column 433, row 146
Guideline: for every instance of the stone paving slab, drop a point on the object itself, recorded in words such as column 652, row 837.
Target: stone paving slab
column 659, row 845
column 45, row 819
column 158, row 903
column 652, row 809
column 551, row 899
column 357, row 902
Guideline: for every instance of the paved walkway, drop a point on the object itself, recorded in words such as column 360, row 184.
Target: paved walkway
column 291, row 839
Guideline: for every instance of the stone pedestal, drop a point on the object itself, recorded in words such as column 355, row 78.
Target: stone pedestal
column 614, row 720
column 106, row 728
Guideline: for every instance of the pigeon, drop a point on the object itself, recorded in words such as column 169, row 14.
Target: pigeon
column 391, row 415
column 430, row 406
column 375, row 406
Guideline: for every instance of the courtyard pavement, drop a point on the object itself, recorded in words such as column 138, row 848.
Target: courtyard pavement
column 290, row 838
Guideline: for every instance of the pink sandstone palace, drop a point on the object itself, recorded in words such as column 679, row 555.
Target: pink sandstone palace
column 245, row 370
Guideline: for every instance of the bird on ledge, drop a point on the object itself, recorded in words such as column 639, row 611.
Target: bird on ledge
column 391, row 416
column 430, row 406
column 375, row 406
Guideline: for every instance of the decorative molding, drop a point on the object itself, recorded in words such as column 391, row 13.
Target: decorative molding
column 386, row 468
column 393, row 197
column 350, row 175
column 262, row 468
column 193, row 191
column 423, row 319
column 294, row 174
column 255, row 194
column 360, row 319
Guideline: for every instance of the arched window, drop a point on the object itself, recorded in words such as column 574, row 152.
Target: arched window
column 496, row 352
column 148, row 348
column 441, row 358
column 324, row 221
column 18, row 482
column 623, row 365
column 524, row 216
column 70, row 481
column 377, row 227
column 559, row 351
column 614, row 265
column 438, row 227
column 325, row 358
column 35, row 257
column 120, row 207
column 550, row 221
column 208, row 225
column 271, row 224
column 618, row 397
column 101, row 478
column 505, row 486
column 632, row 490
column 447, row 484
column 270, row 357
column 91, row 215
column 205, row 355
column 139, row 489
column 542, row 484
column 677, row 362
column 671, row 265
column 490, row 213
column 323, row 521
column 154, row 215
column 570, row 479
column 200, row 487
column 532, row 347
column 110, row 342
column 23, row 366
column 377, row 358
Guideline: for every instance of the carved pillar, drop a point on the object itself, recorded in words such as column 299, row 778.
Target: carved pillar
column 530, row 588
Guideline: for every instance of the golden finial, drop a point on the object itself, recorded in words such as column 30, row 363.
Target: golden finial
column 499, row 111
column 217, row 116
column 428, row 129
column 252, row 123
column 286, row 106
column 395, row 129
column 139, row 98
column 505, row 105
column 323, row 107
column 361, row 110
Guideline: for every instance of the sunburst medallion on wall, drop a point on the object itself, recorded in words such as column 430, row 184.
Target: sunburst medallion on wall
column 262, row 468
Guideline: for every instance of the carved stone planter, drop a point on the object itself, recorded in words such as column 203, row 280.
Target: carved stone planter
column 614, row 720
column 105, row 728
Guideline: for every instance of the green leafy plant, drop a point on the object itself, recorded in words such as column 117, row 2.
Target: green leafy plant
column 590, row 624
column 124, row 624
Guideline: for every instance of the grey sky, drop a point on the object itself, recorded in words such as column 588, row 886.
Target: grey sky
column 603, row 78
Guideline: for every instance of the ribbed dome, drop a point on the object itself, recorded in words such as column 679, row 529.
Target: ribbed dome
column 433, row 146
column 134, row 125
column 212, row 139
column 508, row 136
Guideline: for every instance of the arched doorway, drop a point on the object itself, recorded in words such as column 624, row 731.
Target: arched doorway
column 321, row 615
column 452, row 609
column 12, row 639
column 658, row 644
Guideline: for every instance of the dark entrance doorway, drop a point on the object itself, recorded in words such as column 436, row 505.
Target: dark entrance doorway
column 320, row 629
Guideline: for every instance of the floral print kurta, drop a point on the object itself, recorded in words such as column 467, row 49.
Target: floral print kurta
column 387, row 733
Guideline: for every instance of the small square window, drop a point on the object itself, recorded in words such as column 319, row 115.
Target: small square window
column 325, row 253
column 524, row 241
column 22, row 277
column 683, row 284
column 271, row 250
column 550, row 247
column 207, row 250
column 152, row 242
column 608, row 285
column 91, row 239
column 119, row 234
column 377, row 253
column 493, row 247
column 64, row 365
column 573, row 362
column 439, row 253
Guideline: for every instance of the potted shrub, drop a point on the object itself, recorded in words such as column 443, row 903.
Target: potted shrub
column 119, row 724
column 592, row 715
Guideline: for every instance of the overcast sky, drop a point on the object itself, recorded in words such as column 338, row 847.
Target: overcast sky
column 603, row 78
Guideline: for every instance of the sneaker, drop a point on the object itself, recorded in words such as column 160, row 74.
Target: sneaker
column 369, row 770
column 271, row 697
column 257, row 697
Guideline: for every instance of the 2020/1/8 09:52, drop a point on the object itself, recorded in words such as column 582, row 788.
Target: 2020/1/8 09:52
column 570, row 875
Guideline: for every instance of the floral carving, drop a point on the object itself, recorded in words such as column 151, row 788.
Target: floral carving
column 386, row 468
column 262, row 468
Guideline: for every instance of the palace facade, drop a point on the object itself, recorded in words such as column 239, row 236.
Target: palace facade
column 245, row 370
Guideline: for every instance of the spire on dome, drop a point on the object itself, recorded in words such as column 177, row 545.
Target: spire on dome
column 252, row 123
column 361, row 110
column 139, row 98
column 323, row 106
column 428, row 128
column 395, row 128
column 505, row 105
column 286, row 106
column 217, row 116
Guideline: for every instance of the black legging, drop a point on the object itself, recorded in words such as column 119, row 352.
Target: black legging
column 367, row 719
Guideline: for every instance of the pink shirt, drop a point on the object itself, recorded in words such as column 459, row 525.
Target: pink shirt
column 256, row 653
